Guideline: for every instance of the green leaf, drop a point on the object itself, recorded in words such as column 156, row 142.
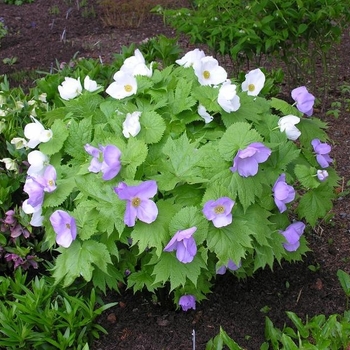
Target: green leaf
column 344, row 280
column 79, row 260
column 306, row 176
column 141, row 279
column 63, row 190
column 207, row 96
column 152, row 127
column 87, row 219
column 315, row 204
column 168, row 268
column 311, row 128
column 284, row 107
column 181, row 99
column 237, row 136
column 133, row 156
column 59, row 135
column 79, row 135
column 184, row 157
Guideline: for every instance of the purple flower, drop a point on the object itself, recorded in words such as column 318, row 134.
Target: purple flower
column 292, row 235
column 219, row 211
column 247, row 160
column 138, row 201
column 230, row 265
column 283, row 193
column 16, row 259
column 35, row 192
column 322, row 152
column 18, row 230
column 304, row 100
column 184, row 244
column 110, row 164
column 48, row 179
column 10, row 217
column 187, row 302
column 322, row 175
column 65, row 227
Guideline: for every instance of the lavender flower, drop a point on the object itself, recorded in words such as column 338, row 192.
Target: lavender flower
column 246, row 161
column 292, row 235
column 138, row 201
column 230, row 265
column 304, row 100
column 219, row 211
column 283, row 193
column 110, row 164
column 35, row 192
column 322, row 175
column 322, row 151
column 184, row 244
column 65, row 227
column 187, row 302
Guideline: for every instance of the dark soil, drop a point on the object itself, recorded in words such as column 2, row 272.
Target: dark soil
column 40, row 36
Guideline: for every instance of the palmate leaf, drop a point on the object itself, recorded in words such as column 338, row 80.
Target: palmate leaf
column 237, row 136
column 230, row 242
column 306, row 176
column 315, row 204
column 312, row 128
column 142, row 279
column 79, row 136
column 181, row 99
column 79, row 260
column 284, row 107
column 207, row 96
column 168, row 268
column 152, row 127
column 184, row 158
column 59, row 135
column 63, row 190
column 87, row 219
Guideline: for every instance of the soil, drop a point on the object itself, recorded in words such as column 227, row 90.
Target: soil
column 45, row 33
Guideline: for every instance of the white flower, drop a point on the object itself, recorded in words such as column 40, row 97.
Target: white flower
column 124, row 85
column 42, row 97
column 254, row 82
column 10, row 164
column 38, row 162
column 322, row 175
column 227, row 98
column 204, row 114
column 287, row 125
column 90, row 85
column 136, row 65
column 131, row 125
column 37, row 218
column 70, row 88
column 190, row 58
column 209, row 72
column 19, row 142
column 36, row 133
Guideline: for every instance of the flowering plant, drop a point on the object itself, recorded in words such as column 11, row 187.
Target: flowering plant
column 171, row 176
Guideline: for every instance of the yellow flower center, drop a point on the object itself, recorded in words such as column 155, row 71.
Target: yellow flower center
column 251, row 87
column 128, row 88
column 219, row 209
column 136, row 202
column 51, row 182
column 206, row 74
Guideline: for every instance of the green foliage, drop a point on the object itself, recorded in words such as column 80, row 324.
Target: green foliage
column 3, row 29
column 38, row 315
column 221, row 341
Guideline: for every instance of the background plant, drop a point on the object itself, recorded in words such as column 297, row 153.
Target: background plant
column 3, row 29
column 40, row 315
column 296, row 34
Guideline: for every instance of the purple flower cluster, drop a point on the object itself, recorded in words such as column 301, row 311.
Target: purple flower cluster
column 11, row 224
column 109, row 165
column 184, row 244
column 322, row 151
column 283, row 193
column 247, row 161
column 304, row 100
